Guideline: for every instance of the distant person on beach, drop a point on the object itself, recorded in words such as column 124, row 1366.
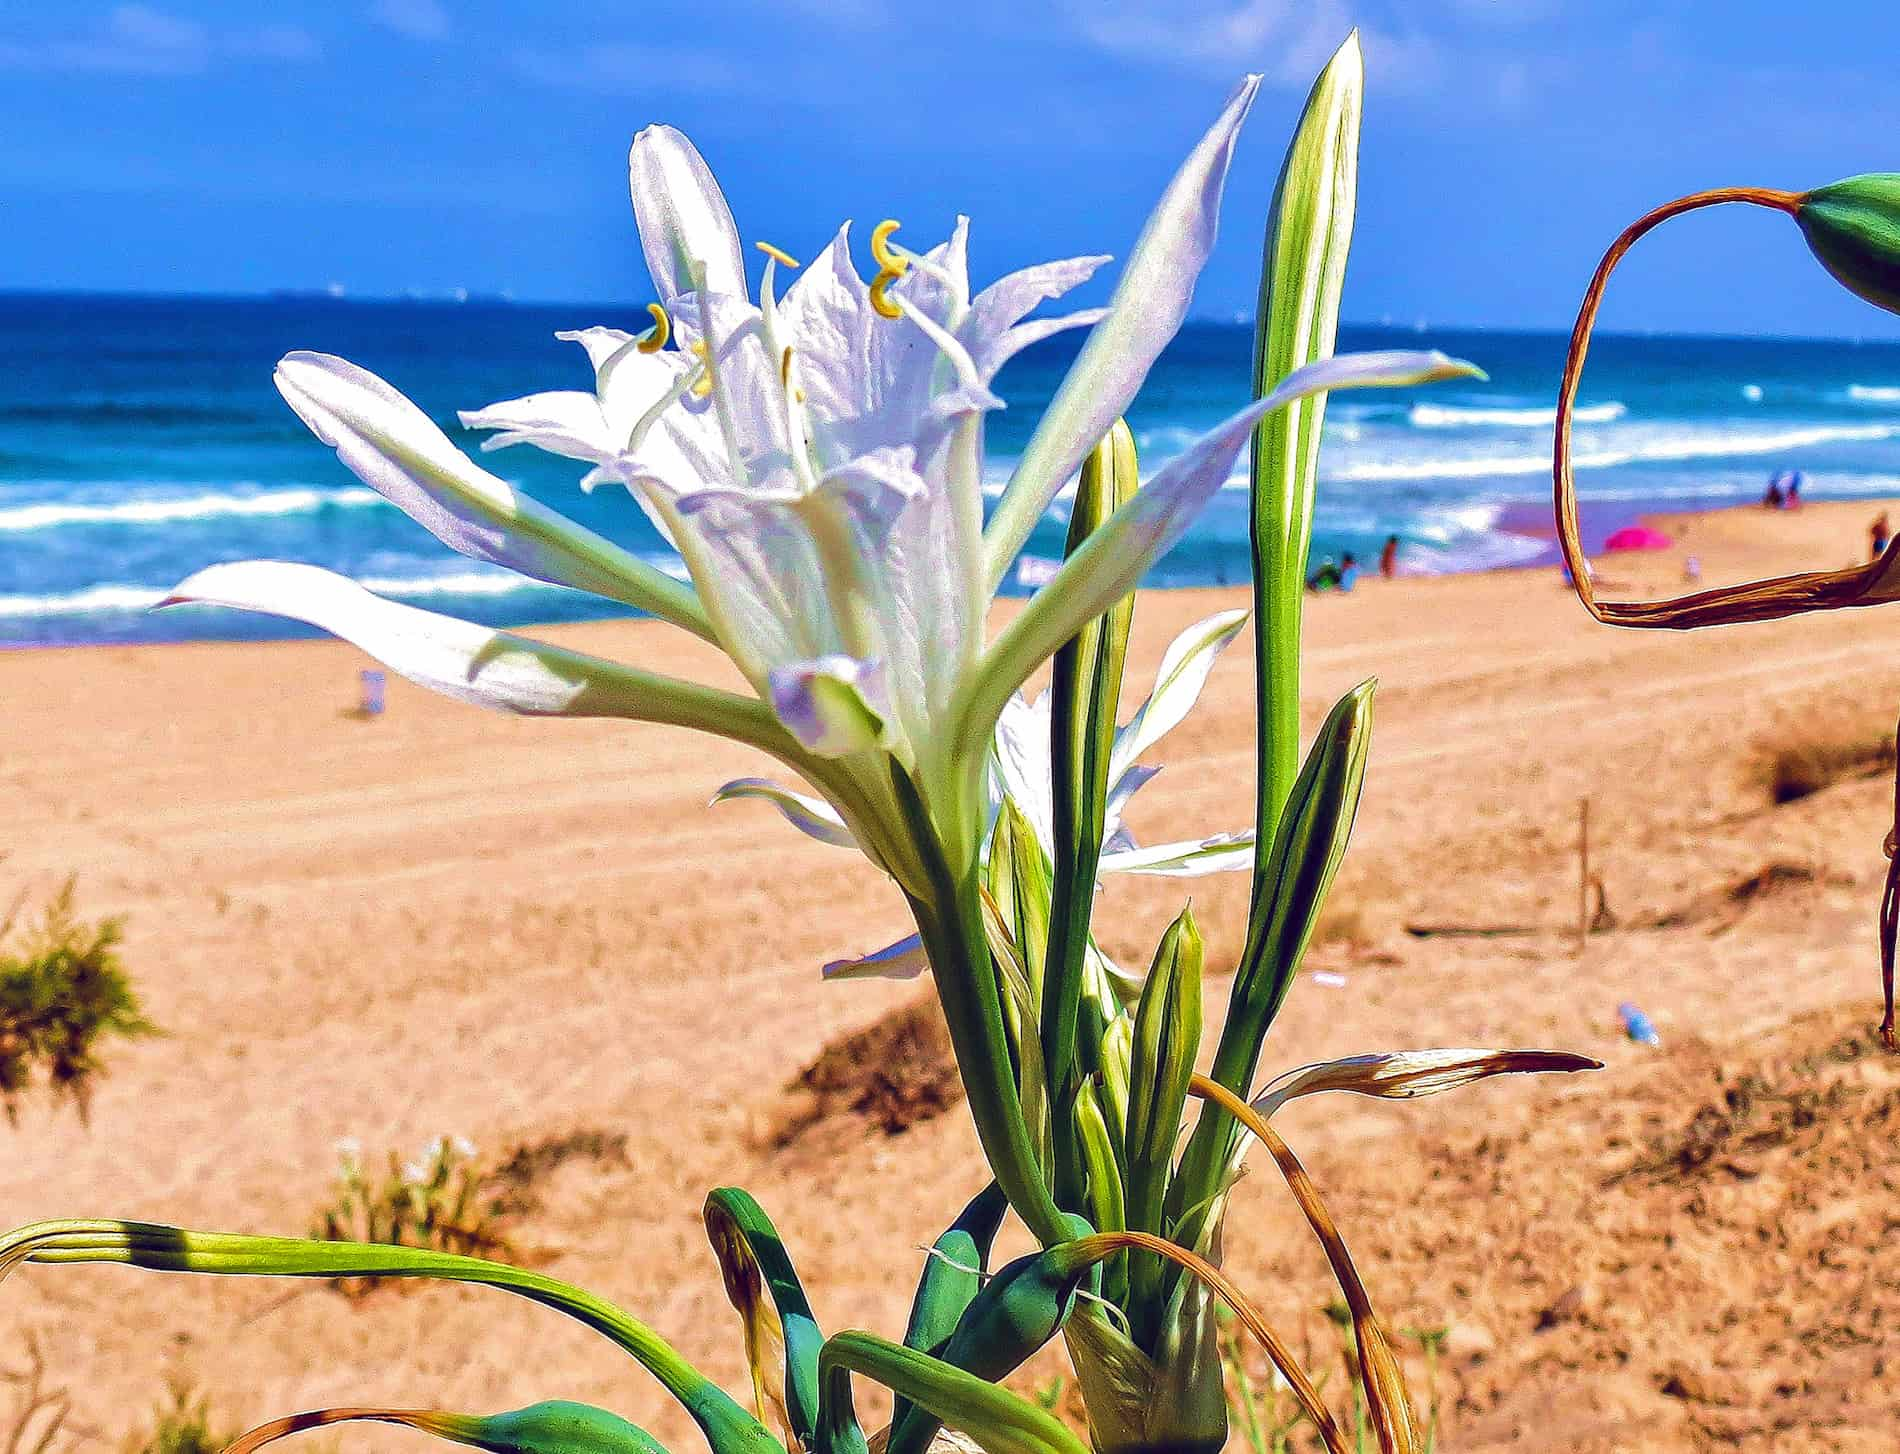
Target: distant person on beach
column 1793, row 495
column 1348, row 572
column 1325, row 578
column 1389, row 557
column 1878, row 534
column 1771, row 497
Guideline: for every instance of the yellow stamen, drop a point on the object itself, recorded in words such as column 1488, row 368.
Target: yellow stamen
column 880, row 303
column 778, row 255
column 662, row 330
column 785, row 366
column 887, row 259
column 703, row 385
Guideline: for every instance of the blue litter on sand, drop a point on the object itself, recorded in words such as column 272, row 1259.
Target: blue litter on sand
column 1637, row 1025
column 373, row 682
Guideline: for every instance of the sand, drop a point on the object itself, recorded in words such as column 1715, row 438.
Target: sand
column 446, row 922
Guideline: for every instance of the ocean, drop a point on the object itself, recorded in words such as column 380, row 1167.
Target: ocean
column 141, row 438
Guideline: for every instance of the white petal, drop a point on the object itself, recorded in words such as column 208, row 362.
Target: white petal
column 463, row 660
column 834, row 705
column 1178, row 681
column 1150, row 301
column 813, row 817
column 1222, row 853
column 903, row 960
column 564, row 422
column 394, row 448
column 1005, row 346
column 1111, row 561
column 1406, row 1074
column 1013, row 297
column 683, row 217
column 1123, row 786
column 1021, row 763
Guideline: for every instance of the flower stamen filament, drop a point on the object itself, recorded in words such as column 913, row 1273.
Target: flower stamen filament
column 655, row 338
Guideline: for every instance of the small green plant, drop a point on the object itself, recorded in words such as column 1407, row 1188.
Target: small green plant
column 1267, row 1413
column 182, row 1425
column 62, row 991
column 435, row 1201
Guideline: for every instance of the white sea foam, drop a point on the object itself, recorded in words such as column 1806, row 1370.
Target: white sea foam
column 1458, row 416
column 165, row 511
column 1660, row 447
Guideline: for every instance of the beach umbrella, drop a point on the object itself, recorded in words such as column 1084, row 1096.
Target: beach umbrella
column 1636, row 537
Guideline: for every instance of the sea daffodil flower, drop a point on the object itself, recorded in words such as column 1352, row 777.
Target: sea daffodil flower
column 818, row 464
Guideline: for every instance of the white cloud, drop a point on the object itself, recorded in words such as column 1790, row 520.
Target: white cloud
column 138, row 39
column 417, row 19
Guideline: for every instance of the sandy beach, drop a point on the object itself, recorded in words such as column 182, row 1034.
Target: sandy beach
column 446, row 922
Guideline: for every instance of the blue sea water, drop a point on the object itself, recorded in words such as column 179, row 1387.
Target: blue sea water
column 141, row 438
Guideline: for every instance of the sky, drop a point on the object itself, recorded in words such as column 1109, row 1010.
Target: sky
column 224, row 146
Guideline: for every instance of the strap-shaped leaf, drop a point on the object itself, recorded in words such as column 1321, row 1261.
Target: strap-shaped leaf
column 1167, row 1038
column 1018, row 1310
column 754, row 1263
column 555, row 1427
column 994, row 1417
column 1290, row 886
column 1302, row 271
column 727, row 1426
column 952, row 1277
column 1085, row 692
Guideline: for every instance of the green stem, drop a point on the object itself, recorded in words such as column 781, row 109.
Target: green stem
column 951, row 926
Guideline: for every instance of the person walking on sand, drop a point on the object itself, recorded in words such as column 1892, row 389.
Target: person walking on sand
column 1793, row 497
column 1389, row 558
column 1348, row 571
column 1878, row 534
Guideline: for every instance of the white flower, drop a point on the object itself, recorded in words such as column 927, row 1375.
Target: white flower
column 817, row 460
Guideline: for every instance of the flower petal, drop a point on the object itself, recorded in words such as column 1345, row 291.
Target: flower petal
column 1401, row 1075
column 683, row 217
column 1222, row 853
column 395, row 449
column 813, row 817
column 1150, row 301
column 1110, row 562
column 903, row 960
column 834, row 705
column 474, row 663
column 1178, row 681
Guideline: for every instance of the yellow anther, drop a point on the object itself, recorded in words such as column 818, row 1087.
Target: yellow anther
column 778, row 255
column 887, row 258
column 880, row 300
column 662, row 330
column 785, row 367
column 703, row 385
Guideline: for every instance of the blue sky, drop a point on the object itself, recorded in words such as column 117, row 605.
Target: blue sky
column 391, row 144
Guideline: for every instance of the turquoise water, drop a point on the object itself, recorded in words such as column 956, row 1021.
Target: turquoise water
column 141, row 438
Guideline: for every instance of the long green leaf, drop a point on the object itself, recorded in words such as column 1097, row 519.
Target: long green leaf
column 953, row 1275
column 727, row 1426
column 994, row 1417
column 1290, row 887
column 558, row 1426
column 1085, row 691
column 1302, row 271
column 1167, row 1038
column 752, row 1258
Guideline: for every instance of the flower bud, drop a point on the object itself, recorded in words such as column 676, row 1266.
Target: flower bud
column 1853, row 227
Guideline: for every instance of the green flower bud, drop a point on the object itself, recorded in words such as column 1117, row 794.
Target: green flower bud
column 1853, row 227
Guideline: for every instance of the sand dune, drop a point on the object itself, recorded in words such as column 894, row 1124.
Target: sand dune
column 448, row 922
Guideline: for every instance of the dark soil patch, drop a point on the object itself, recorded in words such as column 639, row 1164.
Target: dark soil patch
column 895, row 1073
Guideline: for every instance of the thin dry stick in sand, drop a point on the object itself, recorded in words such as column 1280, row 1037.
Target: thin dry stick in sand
column 1853, row 228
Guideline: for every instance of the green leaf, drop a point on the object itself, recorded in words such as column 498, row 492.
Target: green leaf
column 1018, row 1310
column 555, row 1427
column 1167, row 1037
column 727, row 1426
column 1302, row 270
column 1102, row 1180
column 753, row 1259
column 1290, row 887
column 1085, row 691
column 952, row 1277
column 995, row 1418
